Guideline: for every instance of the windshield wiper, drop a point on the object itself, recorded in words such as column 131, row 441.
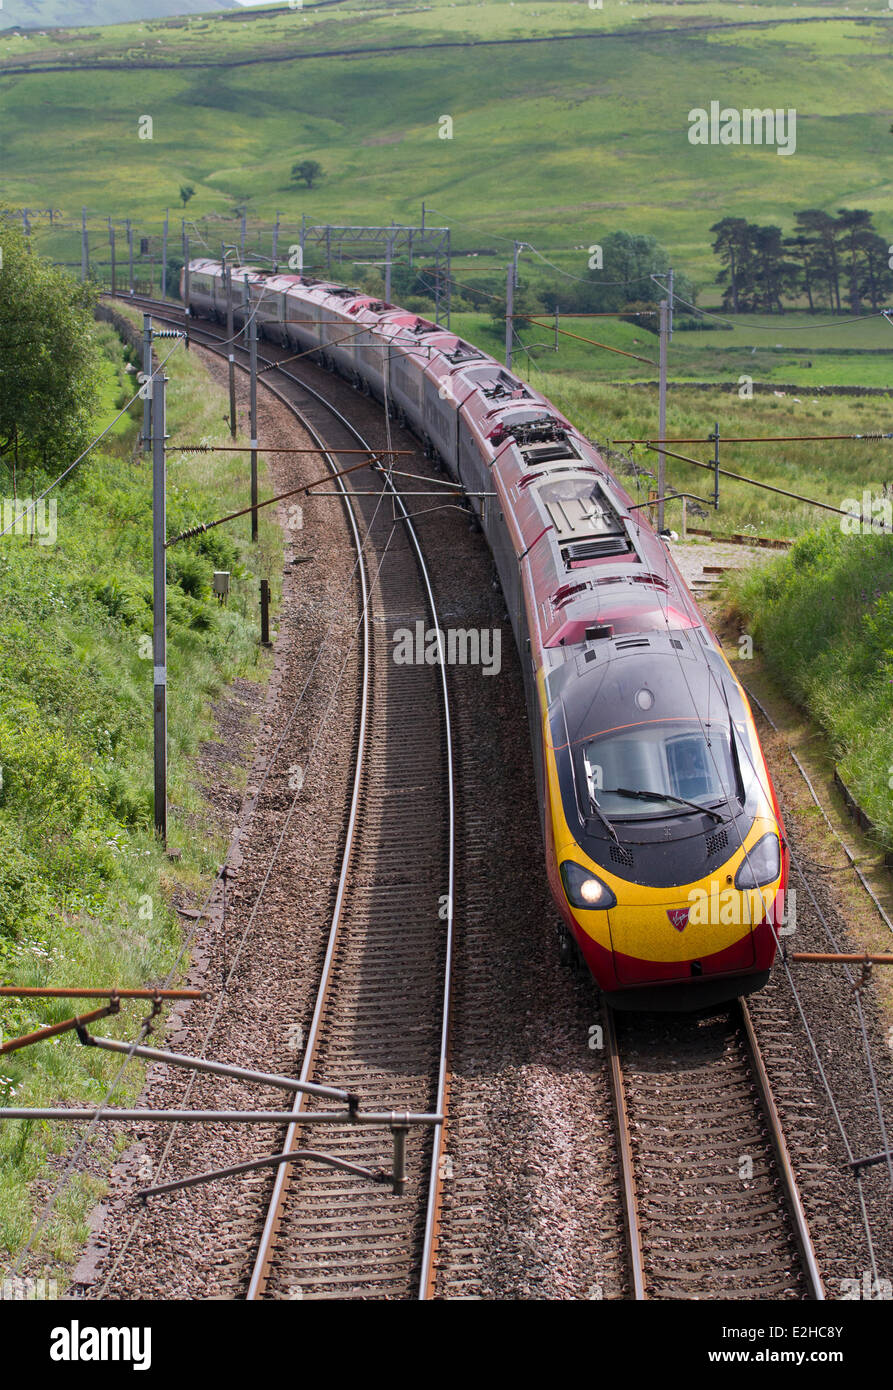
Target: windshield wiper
column 664, row 796
column 603, row 818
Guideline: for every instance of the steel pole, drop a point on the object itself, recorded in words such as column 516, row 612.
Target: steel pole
column 185, row 236
column 662, row 415
column 167, row 213
column 147, row 383
column 85, row 253
column 389, row 252
column 159, row 605
column 130, row 252
column 252, row 360
column 114, row 278
column 229, row 350
column 509, row 310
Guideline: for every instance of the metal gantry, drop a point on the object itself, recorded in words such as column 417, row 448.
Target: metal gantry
column 261, row 242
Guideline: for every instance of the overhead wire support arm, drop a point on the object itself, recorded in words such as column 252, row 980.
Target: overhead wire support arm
column 79, row 1021
column 754, row 482
column 373, row 1119
column 669, row 497
column 260, row 1078
column 274, row 1161
column 370, row 462
column 756, row 438
column 621, row 352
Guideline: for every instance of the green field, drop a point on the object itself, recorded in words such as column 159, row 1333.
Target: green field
column 556, row 140
column 826, row 353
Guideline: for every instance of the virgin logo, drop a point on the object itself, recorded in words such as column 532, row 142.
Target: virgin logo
column 678, row 917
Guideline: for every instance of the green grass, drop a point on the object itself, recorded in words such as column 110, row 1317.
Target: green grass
column 824, row 617
column 85, row 888
column 829, row 355
column 555, row 142
column 828, row 472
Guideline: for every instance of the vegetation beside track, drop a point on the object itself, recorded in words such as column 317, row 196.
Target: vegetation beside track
column 823, row 615
column 85, row 888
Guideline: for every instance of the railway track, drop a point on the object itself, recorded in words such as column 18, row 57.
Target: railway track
column 381, row 1015
column 709, row 1198
column 711, row 1204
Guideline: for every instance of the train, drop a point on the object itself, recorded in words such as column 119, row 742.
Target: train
column 664, row 844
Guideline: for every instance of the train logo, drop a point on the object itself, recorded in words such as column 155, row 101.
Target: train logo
column 678, row 917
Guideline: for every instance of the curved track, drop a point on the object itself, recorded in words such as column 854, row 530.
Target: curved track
column 381, row 1032
column 709, row 1196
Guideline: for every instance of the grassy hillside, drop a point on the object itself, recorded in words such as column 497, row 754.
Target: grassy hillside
column 567, row 122
column 823, row 351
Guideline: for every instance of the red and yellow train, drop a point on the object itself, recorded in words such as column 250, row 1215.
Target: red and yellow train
column 664, row 844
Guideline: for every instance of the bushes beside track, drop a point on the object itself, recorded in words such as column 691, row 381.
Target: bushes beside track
column 86, row 890
column 823, row 616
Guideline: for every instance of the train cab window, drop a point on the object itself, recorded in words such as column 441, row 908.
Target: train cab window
column 687, row 764
column 648, row 768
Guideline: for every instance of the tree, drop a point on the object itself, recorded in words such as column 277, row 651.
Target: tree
column 877, row 277
column 801, row 248
column 823, row 229
column 773, row 275
column 628, row 263
column 734, row 247
column 307, row 171
column 49, row 375
column 186, row 192
column 853, row 223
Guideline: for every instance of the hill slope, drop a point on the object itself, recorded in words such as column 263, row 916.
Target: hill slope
column 566, row 122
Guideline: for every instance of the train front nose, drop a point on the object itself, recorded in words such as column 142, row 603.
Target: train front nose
column 671, row 941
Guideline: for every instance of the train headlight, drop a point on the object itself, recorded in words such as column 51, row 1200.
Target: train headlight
column 584, row 890
column 761, row 864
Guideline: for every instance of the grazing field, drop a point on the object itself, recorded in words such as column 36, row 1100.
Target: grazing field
column 558, row 140
column 695, row 356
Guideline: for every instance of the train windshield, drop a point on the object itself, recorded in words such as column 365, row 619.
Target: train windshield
column 659, row 769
